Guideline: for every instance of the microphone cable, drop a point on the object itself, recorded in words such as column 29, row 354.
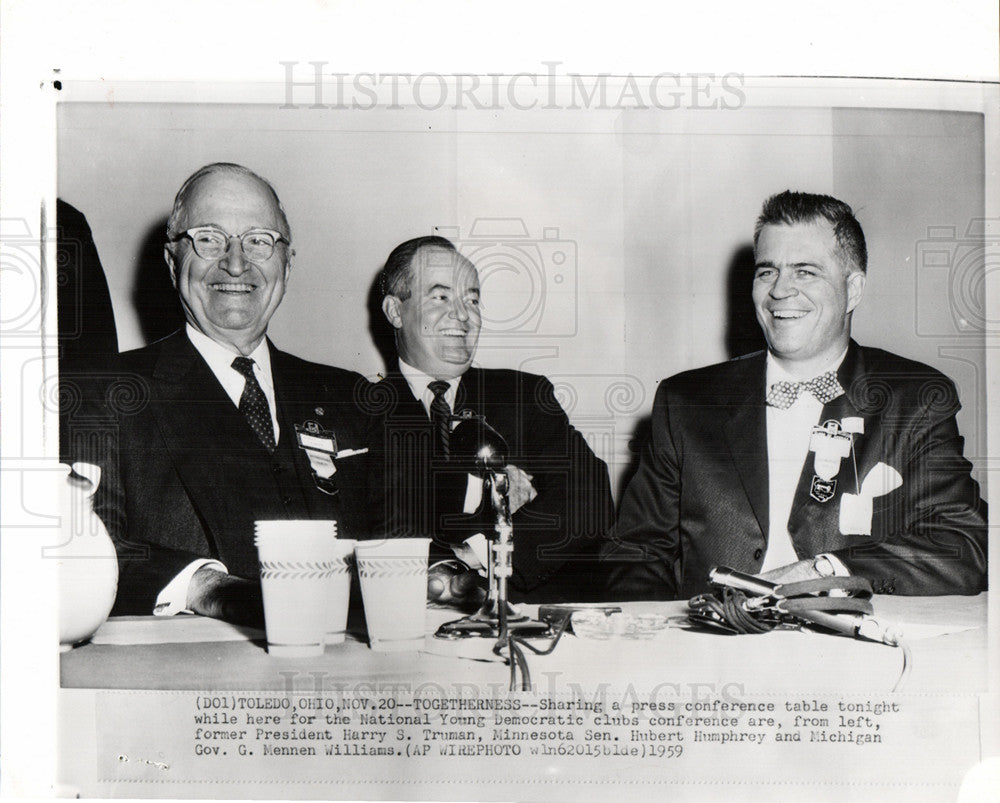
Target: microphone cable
column 746, row 605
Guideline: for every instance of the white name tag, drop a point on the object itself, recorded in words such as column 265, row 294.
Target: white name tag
column 322, row 463
column 315, row 442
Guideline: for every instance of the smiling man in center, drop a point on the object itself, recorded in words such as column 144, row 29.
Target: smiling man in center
column 559, row 490
column 817, row 457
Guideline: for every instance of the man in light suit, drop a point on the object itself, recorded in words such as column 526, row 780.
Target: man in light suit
column 200, row 434
column 559, row 490
column 818, row 457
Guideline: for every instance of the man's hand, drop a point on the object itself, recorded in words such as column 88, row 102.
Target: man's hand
column 520, row 490
column 222, row 596
column 793, row 572
column 453, row 583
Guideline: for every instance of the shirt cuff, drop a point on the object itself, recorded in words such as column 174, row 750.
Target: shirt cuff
column 474, row 552
column 173, row 598
column 839, row 569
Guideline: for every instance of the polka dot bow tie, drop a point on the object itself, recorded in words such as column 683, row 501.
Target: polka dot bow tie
column 824, row 387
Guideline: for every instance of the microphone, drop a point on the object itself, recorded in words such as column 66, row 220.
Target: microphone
column 724, row 576
column 755, row 615
column 855, row 625
column 476, row 444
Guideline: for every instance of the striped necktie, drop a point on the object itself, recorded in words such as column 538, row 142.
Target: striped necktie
column 440, row 415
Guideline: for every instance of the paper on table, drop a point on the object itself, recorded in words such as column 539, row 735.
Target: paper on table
column 123, row 630
column 917, row 631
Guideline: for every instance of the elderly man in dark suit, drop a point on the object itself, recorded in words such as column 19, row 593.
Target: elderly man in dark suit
column 203, row 432
column 559, row 490
column 818, row 457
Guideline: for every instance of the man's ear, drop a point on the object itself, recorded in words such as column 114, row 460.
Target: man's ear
column 855, row 289
column 390, row 308
column 169, row 258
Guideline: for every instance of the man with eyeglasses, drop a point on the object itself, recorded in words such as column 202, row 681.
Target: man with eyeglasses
column 206, row 429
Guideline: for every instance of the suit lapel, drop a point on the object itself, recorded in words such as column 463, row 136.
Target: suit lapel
column 297, row 401
column 203, row 433
column 469, row 395
column 746, row 436
column 409, row 439
column 193, row 400
column 404, row 404
column 294, row 406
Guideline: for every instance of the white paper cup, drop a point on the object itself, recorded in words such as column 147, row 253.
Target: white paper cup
column 338, row 589
column 393, row 575
column 298, row 562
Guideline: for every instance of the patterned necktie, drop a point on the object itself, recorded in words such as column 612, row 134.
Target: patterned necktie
column 253, row 404
column 440, row 414
column 824, row 387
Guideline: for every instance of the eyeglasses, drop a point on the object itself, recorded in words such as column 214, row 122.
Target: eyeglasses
column 212, row 243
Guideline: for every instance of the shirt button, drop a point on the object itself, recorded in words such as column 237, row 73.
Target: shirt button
column 276, row 468
column 286, row 501
column 758, row 554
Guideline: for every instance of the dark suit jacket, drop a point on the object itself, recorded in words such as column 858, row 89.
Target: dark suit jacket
column 557, row 534
column 184, row 476
column 85, row 317
column 700, row 496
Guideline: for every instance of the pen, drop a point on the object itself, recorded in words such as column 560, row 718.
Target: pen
column 350, row 452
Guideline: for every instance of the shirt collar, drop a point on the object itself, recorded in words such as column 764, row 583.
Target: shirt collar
column 418, row 382
column 220, row 357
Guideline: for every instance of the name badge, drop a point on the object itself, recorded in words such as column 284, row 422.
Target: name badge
column 320, row 446
column 830, row 443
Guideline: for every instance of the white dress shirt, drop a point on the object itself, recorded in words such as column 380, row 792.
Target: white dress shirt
column 173, row 598
column 220, row 360
column 474, row 552
column 788, row 434
column 419, row 382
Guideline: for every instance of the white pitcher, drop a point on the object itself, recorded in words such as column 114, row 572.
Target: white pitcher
column 88, row 565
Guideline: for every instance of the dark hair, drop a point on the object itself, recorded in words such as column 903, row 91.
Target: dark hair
column 801, row 207
column 398, row 270
column 180, row 200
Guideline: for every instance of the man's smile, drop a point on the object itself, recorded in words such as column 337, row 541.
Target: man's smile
column 788, row 314
column 233, row 287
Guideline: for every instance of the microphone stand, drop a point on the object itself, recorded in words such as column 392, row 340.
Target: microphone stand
column 496, row 618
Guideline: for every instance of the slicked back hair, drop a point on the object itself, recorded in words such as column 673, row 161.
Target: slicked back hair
column 789, row 208
column 397, row 274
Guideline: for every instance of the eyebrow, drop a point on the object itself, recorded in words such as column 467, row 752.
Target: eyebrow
column 434, row 288
column 225, row 231
column 208, row 226
column 768, row 264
